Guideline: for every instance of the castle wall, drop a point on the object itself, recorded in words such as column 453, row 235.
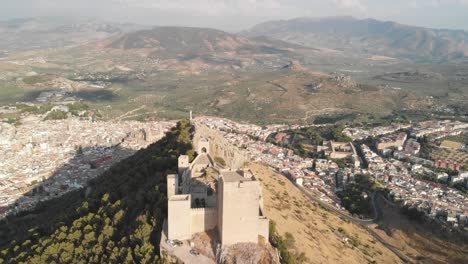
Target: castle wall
column 220, row 207
column 178, row 217
column 183, row 164
column 234, row 209
column 203, row 219
column 203, row 146
column 220, row 147
column 172, row 185
column 199, row 196
column 264, row 227
column 240, row 220
column 212, row 200
column 186, row 175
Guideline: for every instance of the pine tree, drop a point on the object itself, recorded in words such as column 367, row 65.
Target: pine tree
column 129, row 258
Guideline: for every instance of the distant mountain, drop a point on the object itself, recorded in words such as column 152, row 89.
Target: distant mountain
column 197, row 49
column 180, row 40
column 39, row 33
column 370, row 37
column 195, row 41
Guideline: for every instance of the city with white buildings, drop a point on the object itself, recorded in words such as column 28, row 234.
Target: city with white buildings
column 323, row 177
column 44, row 159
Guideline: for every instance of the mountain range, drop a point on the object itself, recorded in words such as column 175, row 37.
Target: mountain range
column 40, row 33
column 186, row 49
column 347, row 35
column 369, row 37
column 190, row 42
column 284, row 70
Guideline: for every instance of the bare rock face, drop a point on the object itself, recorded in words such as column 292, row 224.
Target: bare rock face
column 248, row 253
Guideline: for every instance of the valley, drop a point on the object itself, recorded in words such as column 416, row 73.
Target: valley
column 354, row 128
column 115, row 81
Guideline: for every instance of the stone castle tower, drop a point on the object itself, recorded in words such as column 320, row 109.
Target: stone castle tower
column 234, row 208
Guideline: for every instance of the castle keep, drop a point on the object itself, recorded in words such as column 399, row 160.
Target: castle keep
column 205, row 196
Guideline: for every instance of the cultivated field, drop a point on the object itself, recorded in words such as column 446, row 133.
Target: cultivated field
column 451, row 155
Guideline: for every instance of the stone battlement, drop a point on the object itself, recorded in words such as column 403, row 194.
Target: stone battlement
column 204, row 210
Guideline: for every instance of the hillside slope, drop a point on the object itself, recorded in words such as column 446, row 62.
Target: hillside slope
column 420, row 242
column 316, row 232
column 183, row 40
column 369, row 36
column 117, row 219
column 183, row 50
column 200, row 47
column 295, row 94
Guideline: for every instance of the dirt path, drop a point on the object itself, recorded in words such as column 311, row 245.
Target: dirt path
column 128, row 113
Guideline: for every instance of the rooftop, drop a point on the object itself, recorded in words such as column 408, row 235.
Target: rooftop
column 202, row 159
column 234, row 176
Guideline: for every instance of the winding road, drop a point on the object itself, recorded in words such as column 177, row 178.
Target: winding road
column 378, row 216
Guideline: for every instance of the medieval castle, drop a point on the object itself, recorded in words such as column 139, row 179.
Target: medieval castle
column 206, row 196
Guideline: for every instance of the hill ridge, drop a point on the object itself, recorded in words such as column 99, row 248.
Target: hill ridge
column 369, row 36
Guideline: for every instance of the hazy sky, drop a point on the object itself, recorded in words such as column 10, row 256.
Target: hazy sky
column 240, row 14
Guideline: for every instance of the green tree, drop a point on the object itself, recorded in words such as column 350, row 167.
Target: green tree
column 129, row 258
column 126, row 201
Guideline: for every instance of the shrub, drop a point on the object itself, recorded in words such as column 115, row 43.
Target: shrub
column 220, row 161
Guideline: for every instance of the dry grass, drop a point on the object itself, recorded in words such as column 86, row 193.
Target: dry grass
column 417, row 243
column 317, row 232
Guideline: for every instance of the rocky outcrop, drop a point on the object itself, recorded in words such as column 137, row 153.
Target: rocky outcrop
column 248, row 253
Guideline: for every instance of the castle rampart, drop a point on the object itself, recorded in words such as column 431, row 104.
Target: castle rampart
column 230, row 201
column 203, row 219
column 220, row 147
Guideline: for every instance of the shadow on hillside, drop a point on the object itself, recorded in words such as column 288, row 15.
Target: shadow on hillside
column 30, row 96
column 97, row 95
column 94, row 95
column 117, row 218
column 59, row 196
column 428, row 238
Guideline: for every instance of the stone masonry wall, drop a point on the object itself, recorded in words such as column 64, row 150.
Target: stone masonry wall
column 203, row 219
column 220, row 147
